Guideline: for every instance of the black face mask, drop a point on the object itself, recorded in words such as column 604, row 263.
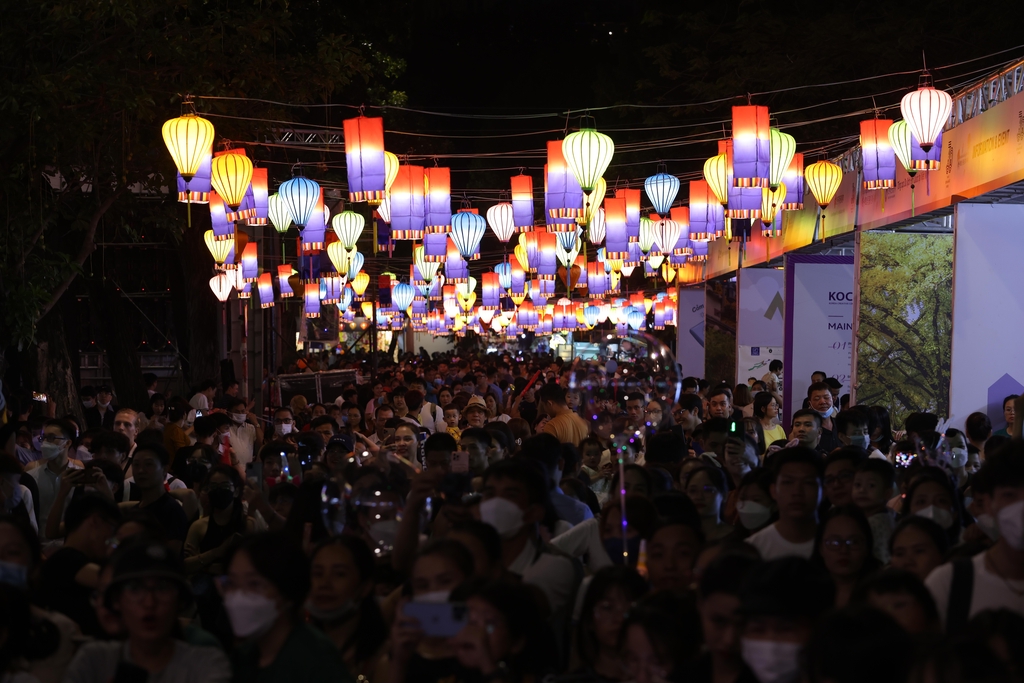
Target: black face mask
column 221, row 499
column 197, row 471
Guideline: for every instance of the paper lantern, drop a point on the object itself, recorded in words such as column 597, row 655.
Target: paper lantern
column 456, row 269
column 632, row 198
column 314, row 232
column 300, row 195
column 221, row 284
column 794, row 182
column 265, row 287
column 348, row 226
column 547, row 250
column 438, row 199
column 219, row 249
column 771, row 201
column 716, row 174
column 250, row 265
column 926, row 111
column 427, row 269
column 355, row 263
column 751, row 143
column 706, row 214
column 259, row 187
column 588, row 153
column 662, row 189
column 391, row 165
column 563, row 195
column 408, row 211
column 616, row 234
column 231, row 174
column 283, row 273
column 668, row 235
column 596, row 227
column 467, row 231
column 877, row 157
column 522, row 202
column 592, row 202
column 636, row 319
column 197, row 189
column 278, row 213
column 926, row 160
column 823, row 178
column 188, row 139
column 783, row 146
column 311, row 300
column 681, row 215
column 402, row 295
column 504, row 272
column 491, row 292
column 364, row 158
column 648, row 235
column 338, row 255
column 383, row 210
column 744, row 200
column 501, row 219
column 435, row 247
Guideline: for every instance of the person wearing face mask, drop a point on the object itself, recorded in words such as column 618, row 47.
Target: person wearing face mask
column 284, row 423
column 600, row 540
column 993, row 579
column 210, row 537
column 266, row 587
column 546, row 450
column 147, row 592
column 755, row 507
column 58, row 436
column 101, row 415
column 780, row 602
column 932, row 495
column 341, row 603
column 245, row 433
column 853, row 429
column 88, row 397
column 819, row 396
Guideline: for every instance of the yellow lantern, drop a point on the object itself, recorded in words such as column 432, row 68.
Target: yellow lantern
column 587, row 153
column 667, row 272
column 823, row 179
column 339, row 256
column 219, row 249
column 771, row 202
column 188, row 138
column 360, row 283
column 231, row 174
column 367, row 308
column 716, row 173
column 390, row 170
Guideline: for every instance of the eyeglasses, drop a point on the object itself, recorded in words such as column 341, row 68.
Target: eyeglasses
column 835, row 543
column 651, row 411
column 54, row 438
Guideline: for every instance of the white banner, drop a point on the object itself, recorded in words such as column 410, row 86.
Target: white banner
column 690, row 331
column 819, row 324
column 988, row 310
column 760, row 320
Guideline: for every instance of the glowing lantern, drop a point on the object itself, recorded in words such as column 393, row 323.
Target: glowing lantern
column 219, row 249
column 522, row 202
column 616, row 234
column 596, row 227
column 435, row 247
column 402, row 295
column 359, row 284
column 300, row 195
column 771, row 201
column 456, row 269
column 277, row 212
column 636, row 319
column 250, row 265
column 391, row 165
column 783, row 146
column 590, row 315
column 407, row 203
column 491, row 292
column 879, row 161
column 311, row 298
column 751, row 142
column 467, row 231
column 563, row 195
column 355, row 263
column 196, row 190
column 265, row 287
column 438, row 200
column 314, row 232
column 427, row 269
column 632, row 198
column 794, row 181
column 662, row 189
column 501, row 218
column 384, row 210
column 716, row 173
column 588, row 154
column 648, row 234
column 681, row 215
column 188, row 139
column 592, row 202
column 926, row 160
column 221, row 284
column 364, row 158
column 348, row 226
column 823, row 178
column 547, row 252
column 668, row 235
column 367, row 309
column 283, row 273
column 926, row 111
column 706, row 215
column 231, row 174
column 259, row 189
column 504, row 272
column 339, row 256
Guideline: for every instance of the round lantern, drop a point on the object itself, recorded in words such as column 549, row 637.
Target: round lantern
column 588, row 154
column 823, row 178
column 277, row 211
column 188, row 139
column 231, row 175
column 783, row 147
column 467, row 231
column 926, row 111
column 300, row 195
column 348, row 226
column 662, row 189
column 501, row 219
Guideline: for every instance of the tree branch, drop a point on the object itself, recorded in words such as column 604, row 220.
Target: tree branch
column 52, row 218
column 88, row 244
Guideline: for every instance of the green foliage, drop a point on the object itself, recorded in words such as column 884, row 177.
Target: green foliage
column 906, row 322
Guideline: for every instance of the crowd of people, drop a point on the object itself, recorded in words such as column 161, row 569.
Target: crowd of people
column 509, row 518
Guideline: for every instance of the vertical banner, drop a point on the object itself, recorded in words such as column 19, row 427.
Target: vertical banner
column 988, row 311
column 690, row 331
column 819, row 324
column 760, row 327
column 903, row 337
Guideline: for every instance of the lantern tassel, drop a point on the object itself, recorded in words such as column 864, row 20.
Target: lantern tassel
column 189, row 205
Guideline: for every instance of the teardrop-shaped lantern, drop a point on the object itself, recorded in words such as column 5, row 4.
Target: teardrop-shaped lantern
column 783, row 147
column 588, row 153
column 648, row 234
column 222, row 284
column 355, row 263
column 359, row 284
column 771, row 204
column 231, row 175
column 300, row 195
column 467, row 231
column 662, row 189
column 339, row 256
column 596, row 227
column 716, row 173
column 188, row 139
column 926, row 111
column 668, row 234
column 348, row 226
column 592, row 202
column 391, row 165
column 219, row 249
column 501, row 220
column 636, row 319
column 823, row 179
column 402, row 296
column 504, row 271
column 277, row 211
column 902, row 144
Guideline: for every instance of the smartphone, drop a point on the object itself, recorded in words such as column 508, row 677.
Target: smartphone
column 199, row 413
column 439, row 619
column 36, row 396
column 460, row 462
column 904, row 459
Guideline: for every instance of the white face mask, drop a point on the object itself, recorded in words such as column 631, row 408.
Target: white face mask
column 434, row 597
column 958, row 457
column 88, row 403
column 103, row 405
column 504, row 515
column 251, row 614
column 384, row 533
column 860, row 441
column 284, row 429
column 940, row 516
column 1010, row 521
column 987, row 523
column 772, row 662
column 238, row 418
column 753, row 515
column 51, row 451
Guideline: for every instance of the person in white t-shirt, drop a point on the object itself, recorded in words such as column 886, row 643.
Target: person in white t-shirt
column 993, row 579
column 797, row 492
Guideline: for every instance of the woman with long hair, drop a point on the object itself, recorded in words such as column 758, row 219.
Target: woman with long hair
column 766, row 410
column 843, row 546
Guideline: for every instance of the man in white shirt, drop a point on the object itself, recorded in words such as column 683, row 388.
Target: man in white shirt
column 245, row 432
column 203, row 399
column 56, row 449
column 993, row 579
column 429, row 415
column 797, row 492
column 127, row 422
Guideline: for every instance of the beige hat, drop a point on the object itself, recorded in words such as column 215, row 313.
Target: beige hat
column 475, row 402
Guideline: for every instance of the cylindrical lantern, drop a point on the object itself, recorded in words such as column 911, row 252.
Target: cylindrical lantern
column 501, row 219
column 283, row 273
column 662, row 189
column 926, row 111
column 250, row 264
column 438, row 200
column 681, row 215
column 751, row 138
column 407, row 203
column 223, row 229
column 300, row 195
column 632, row 198
column 265, row 287
column 260, row 193
column 231, row 173
column 877, row 156
column 522, row 202
column 491, row 292
column 547, row 262
column 783, row 146
column 616, row 233
column 364, row 158
column 456, row 269
column 707, row 217
column 563, row 194
column 794, row 181
column 587, row 154
column 435, row 247
column 926, row 160
column 311, row 299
